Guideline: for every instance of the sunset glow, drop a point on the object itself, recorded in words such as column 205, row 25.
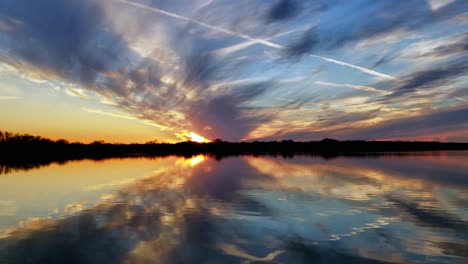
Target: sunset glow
column 194, row 161
column 300, row 70
column 197, row 138
column 185, row 135
column 212, row 131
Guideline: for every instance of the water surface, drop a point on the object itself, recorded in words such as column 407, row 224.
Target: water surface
column 393, row 208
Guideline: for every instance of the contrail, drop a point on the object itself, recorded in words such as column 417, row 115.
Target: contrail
column 250, row 38
column 356, row 87
column 359, row 68
column 229, row 32
column 237, row 47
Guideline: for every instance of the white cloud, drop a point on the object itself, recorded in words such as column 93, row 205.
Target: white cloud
column 9, row 97
column 437, row 4
column 356, row 87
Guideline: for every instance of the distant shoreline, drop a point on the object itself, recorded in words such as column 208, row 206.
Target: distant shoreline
column 24, row 148
column 25, row 155
column 27, row 145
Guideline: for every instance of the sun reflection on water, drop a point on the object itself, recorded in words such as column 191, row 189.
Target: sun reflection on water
column 305, row 210
column 194, row 161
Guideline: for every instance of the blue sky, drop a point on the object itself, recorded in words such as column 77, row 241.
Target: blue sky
column 137, row 70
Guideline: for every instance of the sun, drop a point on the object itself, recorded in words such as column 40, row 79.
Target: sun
column 185, row 135
column 197, row 138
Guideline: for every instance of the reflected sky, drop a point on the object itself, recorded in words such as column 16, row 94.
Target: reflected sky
column 396, row 209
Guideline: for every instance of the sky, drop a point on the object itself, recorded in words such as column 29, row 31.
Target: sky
column 140, row 70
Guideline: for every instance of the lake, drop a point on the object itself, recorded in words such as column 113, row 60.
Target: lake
column 392, row 208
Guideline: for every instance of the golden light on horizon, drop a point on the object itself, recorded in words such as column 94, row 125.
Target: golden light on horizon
column 185, row 135
column 197, row 138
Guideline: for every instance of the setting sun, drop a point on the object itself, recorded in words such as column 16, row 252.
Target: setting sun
column 185, row 135
column 197, row 138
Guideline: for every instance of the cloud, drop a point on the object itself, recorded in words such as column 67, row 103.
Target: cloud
column 285, row 99
column 9, row 97
column 168, row 84
column 76, row 92
column 447, row 124
column 216, row 28
column 175, row 65
column 9, row 24
column 283, row 9
column 225, row 51
column 362, row 69
column 339, row 118
column 356, row 87
column 97, row 111
column 431, row 78
column 460, row 46
column 226, row 114
column 303, row 45
column 440, row 122
column 428, row 51
column 57, row 35
column 376, row 20
column 437, row 4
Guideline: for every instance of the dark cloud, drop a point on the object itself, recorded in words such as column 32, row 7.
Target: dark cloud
column 199, row 69
column 463, row 93
column 379, row 19
column 427, row 79
column 381, row 61
column 61, row 36
column 305, row 44
column 333, row 118
column 80, row 43
column 73, row 41
column 461, row 19
column 283, row 9
column 432, row 122
column 461, row 46
column 226, row 115
column 436, row 122
column 447, row 48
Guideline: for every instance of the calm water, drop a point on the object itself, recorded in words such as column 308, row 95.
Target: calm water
column 398, row 209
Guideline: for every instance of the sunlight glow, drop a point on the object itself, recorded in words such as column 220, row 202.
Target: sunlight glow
column 185, row 135
column 197, row 138
column 194, row 161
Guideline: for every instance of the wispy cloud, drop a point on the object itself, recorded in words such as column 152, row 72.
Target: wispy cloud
column 96, row 111
column 76, row 92
column 252, row 39
column 356, row 87
column 9, row 97
column 199, row 66
column 244, row 45
column 429, row 122
column 430, row 78
column 285, row 99
column 125, row 116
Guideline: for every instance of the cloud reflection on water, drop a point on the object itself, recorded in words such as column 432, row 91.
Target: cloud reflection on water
column 262, row 209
